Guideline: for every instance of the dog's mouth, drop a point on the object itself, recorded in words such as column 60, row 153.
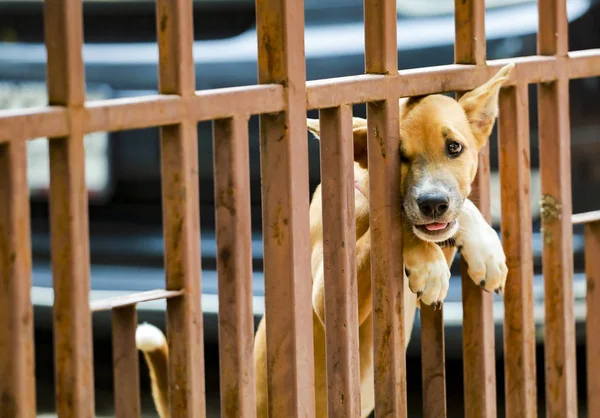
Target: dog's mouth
column 436, row 231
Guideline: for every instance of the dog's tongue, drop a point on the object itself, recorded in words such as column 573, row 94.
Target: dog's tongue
column 435, row 226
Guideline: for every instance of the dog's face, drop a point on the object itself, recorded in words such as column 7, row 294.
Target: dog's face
column 440, row 140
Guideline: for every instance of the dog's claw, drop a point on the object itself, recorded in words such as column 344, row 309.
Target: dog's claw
column 407, row 272
column 419, row 294
column 482, row 284
column 499, row 290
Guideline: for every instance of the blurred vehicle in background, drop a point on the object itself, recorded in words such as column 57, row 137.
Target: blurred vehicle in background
column 123, row 168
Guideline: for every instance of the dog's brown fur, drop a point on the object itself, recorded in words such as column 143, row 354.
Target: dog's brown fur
column 427, row 123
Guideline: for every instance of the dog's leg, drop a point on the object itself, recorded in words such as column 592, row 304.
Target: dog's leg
column 482, row 250
column 426, row 269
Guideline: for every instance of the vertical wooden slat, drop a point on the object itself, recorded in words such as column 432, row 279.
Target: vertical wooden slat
column 125, row 362
column 555, row 170
column 339, row 257
column 17, row 385
column 387, row 276
column 381, row 45
column 181, row 218
column 234, row 267
column 433, row 362
column 478, row 323
column 561, row 396
column 519, row 325
column 592, row 272
column 285, row 197
column 469, row 28
column 381, row 57
column 69, row 214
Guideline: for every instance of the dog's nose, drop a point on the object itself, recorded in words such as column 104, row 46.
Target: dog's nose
column 433, row 205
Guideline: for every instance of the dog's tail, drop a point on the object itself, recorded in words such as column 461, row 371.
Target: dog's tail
column 152, row 342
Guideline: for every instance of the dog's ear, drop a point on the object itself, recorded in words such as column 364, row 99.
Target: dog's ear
column 481, row 105
column 359, row 130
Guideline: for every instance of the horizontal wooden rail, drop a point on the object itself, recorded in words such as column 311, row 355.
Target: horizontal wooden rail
column 160, row 110
column 133, row 299
column 586, row 217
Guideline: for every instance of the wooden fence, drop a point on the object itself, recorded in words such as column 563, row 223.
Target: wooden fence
column 282, row 98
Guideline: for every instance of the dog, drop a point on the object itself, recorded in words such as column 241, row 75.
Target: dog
column 440, row 142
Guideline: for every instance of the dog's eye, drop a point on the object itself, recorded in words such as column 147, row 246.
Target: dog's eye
column 453, row 148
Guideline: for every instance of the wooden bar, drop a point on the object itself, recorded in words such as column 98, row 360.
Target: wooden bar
column 584, row 64
column 586, row 217
column 234, row 267
column 478, row 322
column 339, row 258
column 387, row 268
column 125, row 363
column 33, row 123
column 433, row 362
column 414, row 82
column 381, row 47
column 134, row 113
column 519, row 325
column 133, row 299
column 181, row 218
column 285, row 203
column 469, row 27
column 556, row 211
column 159, row 110
column 592, row 272
column 17, row 384
column 69, row 214
column 555, row 169
column 237, row 101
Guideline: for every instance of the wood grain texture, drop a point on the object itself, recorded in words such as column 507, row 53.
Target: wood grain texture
column 234, row 267
column 479, row 366
column 387, row 278
column 433, row 362
column 339, row 259
column 125, row 363
column 285, row 204
column 17, row 385
column 181, row 218
column 69, row 214
column 556, row 211
column 592, row 272
column 516, row 228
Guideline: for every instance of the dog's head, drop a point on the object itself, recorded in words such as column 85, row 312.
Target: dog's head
column 440, row 140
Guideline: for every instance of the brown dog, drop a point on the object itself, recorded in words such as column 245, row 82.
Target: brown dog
column 441, row 139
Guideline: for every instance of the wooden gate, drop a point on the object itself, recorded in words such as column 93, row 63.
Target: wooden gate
column 282, row 99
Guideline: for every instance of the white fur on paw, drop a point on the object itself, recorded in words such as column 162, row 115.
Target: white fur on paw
column 149, row 338
column 486, row 260
column 430, row 281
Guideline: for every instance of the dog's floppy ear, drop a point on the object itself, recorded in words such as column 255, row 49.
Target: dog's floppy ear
column 359, row 130
column 481, row 105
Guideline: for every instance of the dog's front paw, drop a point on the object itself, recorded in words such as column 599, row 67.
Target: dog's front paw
column 429, row 276
column 486, row 260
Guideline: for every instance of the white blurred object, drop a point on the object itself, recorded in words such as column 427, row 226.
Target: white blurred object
column 97, row 162
column 439, row 7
